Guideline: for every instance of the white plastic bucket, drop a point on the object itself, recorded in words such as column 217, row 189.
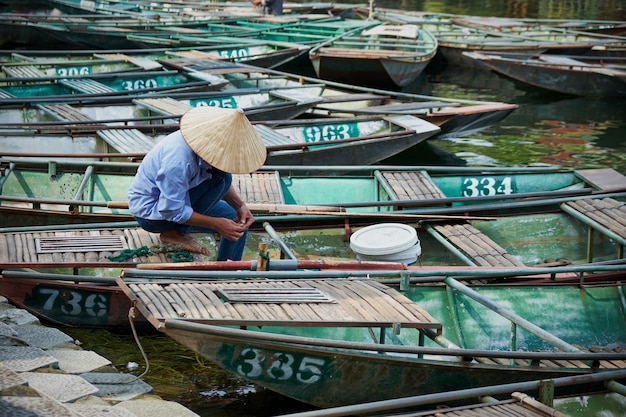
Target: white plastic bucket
column 391, row 242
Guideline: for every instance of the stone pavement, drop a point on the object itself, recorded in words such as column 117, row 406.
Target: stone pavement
column 44, row 373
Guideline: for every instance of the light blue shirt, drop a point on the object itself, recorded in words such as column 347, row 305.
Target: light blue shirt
column 160, row 189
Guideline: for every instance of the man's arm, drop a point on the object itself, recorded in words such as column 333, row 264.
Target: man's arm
column 229, row 229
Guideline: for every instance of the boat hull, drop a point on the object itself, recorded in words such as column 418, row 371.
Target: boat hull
column 373, row 71
column 566, row 79
column 316, row 375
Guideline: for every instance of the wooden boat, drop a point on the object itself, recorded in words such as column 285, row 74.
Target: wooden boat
column 56, row 190
column 80, row 260
column 304, row 338
column 363, row 140
column 342, row 141
column 558, row 397
column 265, row 54
column 149, row 111
column 455, row 117
column 455, row 36
column 101, row 87
column 575, row 75
column 381, row 55
column 581, row 231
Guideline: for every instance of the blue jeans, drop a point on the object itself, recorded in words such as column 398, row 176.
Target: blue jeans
column 206, row 198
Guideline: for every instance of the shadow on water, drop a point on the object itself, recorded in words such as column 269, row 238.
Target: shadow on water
column 178, row 374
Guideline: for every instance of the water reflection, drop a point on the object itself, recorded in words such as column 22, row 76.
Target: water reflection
column 547, row 128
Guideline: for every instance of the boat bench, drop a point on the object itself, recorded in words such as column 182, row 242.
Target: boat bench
column 408, row 185
column 471, row 245
column 275, row 141
column 64, row 112
column 165, row 106
column 605, row 215
column 87, row 86
column 145, row 63
column 22, row 71
column 75, row 248
column 5, row 94
column 126, row 140
column 259, row 187
column 333, row 302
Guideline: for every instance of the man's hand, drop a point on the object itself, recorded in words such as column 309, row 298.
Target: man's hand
column 244, row 216
column 229, row 229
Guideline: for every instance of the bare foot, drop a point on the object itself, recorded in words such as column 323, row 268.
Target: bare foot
column 172, row 237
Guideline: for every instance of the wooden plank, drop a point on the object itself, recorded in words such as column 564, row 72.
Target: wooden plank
column 126, row 140
column 22, row 71
column 214, row 301
column 605, row 179
column 19, row 247
column 4, row 249
column 606, row 213
column 358, row 303
column 146, row 64
column 165, row 106
column 64, row 112
column 181, row 304
column 86, row 86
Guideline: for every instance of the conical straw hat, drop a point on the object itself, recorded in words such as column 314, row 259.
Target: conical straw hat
column 224, row 138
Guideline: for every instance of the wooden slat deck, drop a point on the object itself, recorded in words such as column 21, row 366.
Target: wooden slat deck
column 145, row 63
column 414, row 185
column 64, row 112
column 276, row 140
column 78, row 247
column 606, row 215
column 259, row 187
column 353, row 303
column 521, row 405
column 606, row 180
column 165, row 106
column 127, row 140
column 476, row 245
column 5, row 94
column 22, row 71
column 87, row 86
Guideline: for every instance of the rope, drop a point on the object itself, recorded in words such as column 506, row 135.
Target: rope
column 131, row 316
column 180, row 256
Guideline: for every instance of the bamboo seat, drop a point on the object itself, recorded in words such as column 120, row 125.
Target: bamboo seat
column 333, row 302
column 22, row 71
column 5, row 94
column 606, row 215
column 272, row 138
column 64, row 112
column 520, row 405
column 145, row 63
column 126, row 140
column 87, row 86
column 76, row 247
column 165, row 106
column 414, row 185
column 259, row 187
column 472, row 243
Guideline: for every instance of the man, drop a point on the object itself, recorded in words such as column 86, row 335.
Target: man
column 183, row 184
column 274, row 7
